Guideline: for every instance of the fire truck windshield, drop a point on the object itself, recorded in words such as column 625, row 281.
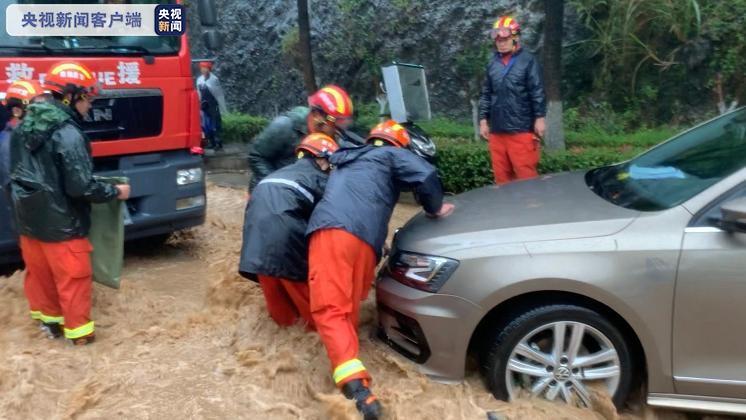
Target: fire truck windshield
column 15, row 46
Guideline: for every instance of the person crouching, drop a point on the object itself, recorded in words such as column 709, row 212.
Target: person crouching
column 275, row 248
column 347, row 230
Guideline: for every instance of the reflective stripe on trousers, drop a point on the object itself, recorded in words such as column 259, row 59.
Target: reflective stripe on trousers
column 347, row 369
column 47, row 319
column 81, row 331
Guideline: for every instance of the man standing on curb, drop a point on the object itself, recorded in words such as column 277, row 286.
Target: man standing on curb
column 512, row 106
column 52, row 188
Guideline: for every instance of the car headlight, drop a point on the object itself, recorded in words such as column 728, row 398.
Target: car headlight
column 188, row 176
column 423, row 272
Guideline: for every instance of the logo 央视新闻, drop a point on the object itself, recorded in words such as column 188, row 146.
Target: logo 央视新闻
column 170, row 20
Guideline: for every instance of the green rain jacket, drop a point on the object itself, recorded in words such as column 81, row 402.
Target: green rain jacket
column 274, row 147
column 52, row 185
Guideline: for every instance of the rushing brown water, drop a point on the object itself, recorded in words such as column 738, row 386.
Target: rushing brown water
column 186, row 337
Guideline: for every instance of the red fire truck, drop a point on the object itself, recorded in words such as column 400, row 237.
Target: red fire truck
column 144, row 126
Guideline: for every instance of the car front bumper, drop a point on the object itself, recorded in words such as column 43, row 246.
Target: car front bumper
column 432, row 330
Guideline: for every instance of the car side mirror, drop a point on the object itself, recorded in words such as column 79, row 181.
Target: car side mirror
column 733, row 216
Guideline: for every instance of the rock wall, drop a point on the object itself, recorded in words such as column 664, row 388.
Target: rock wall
column 351, row 39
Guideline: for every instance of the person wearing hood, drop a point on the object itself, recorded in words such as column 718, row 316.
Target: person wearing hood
column 212, row 104
column 275, row 247
column 329, row 111
column 52, row 188
column 347, row 232
column 19, row 95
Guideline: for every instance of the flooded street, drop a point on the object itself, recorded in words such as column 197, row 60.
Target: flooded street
column 186, row 337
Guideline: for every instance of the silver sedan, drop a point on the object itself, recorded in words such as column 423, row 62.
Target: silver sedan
column 630, row 273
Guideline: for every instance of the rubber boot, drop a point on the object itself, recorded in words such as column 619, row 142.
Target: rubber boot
column 84, row 341
column 51, row 329
column 367, row 403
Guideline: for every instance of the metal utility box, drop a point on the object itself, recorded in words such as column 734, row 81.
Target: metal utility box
column 406, row 92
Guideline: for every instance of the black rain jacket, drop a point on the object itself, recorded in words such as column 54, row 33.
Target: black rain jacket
column 52, row 184
column 274, row 234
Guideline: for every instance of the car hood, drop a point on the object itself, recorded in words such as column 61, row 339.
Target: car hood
column 553, row 207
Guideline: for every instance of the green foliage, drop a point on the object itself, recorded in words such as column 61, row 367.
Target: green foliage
column 463, row 166
column 366, row 116
column 241, row 128
column 646, row 137
column 290, row 45
column 466, row 165
column 444, row 127
column 658, row 58
column 470, row 65
column 725, row 28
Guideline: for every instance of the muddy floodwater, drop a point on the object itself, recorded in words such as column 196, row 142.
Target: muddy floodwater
column 186, row 337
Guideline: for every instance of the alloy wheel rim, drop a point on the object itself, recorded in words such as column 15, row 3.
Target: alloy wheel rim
column 560, row 360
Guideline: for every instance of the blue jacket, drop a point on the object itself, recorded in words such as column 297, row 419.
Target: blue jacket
column 513, row 95
column 364, row 187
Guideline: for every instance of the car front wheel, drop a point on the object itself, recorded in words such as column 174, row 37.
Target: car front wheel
column 559, row 352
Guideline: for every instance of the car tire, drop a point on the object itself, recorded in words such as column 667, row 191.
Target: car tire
column 504, row 359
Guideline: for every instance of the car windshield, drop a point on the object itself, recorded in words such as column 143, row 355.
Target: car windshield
column 15, row 46
column 678, row 169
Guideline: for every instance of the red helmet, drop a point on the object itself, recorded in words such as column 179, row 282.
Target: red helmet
column 206, row 64
column 505, row 27
column 334, row 103
column 318, row 145
column 24, row 91
column 71, row 77
column 391, row 132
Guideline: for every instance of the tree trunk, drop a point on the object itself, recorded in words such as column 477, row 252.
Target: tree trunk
column 475, row 118
column 382, row 102
column 304, row 38
column 554, row 15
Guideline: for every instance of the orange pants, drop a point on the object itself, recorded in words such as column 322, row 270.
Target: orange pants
column 514, row 156
column 341, row 272
column 287, row 300
column 58, row 283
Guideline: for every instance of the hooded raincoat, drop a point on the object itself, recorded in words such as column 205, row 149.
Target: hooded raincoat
column 52, row 184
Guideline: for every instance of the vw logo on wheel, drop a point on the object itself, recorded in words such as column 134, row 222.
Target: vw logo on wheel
column 562, row 374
